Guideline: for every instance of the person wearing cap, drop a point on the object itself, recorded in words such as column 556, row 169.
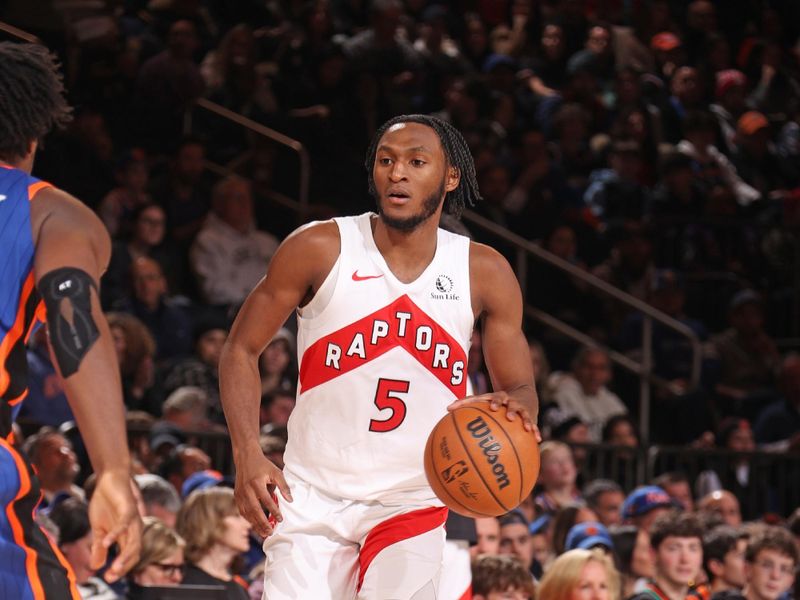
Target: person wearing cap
column 668, row 53
column 589, row 535
column 676, row 541
column 644, row 505
column 748, row 356
column 757, row 160
column 730, row 92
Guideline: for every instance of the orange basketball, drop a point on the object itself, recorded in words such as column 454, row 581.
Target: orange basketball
column 479, row 463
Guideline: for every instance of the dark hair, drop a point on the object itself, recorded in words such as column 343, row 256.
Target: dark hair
column 563, row 521
column 772, row 538
column 675, row 524
column 72, row 519
column 718, row 542
column 514, row 517
column 608, row 428
column 669, row 478
column 498, row 574
column 456, row 152
column 596, row 488
column 624, row 538
column 32, row 99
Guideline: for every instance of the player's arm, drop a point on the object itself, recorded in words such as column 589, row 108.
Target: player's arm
column 295, row 273
column 497, row 298
column 72, row 251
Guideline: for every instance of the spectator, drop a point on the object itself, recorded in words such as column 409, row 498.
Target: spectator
column 215, row 535
column 160, row 499
column 186, row 408
column 778, row 425
column 273, row 446
column 183, row 462
column 756, row 159
column 277, row 407
column 71, row 517
column 676, row 540
column 565, row 519
column 277, row 365
column 557, row 477
column 515, row 539
column 605, row 498
column 580, row 573
column 56, row 464
column 723, row 558
column 500, row 577
column 160, row 561
column 488, row 532
column 201, row 369
column 616, row 194
column 119, row 205
column 749, row 358
column 770, row 563
column 584, row 393
column 588, row 536
column 46, row 403
column 723, row 503
column 136, row 351
column 168, row 321
column 230, row 255
column 676, row 484
column 634, row 558
column 644, row 505
column 730, row 93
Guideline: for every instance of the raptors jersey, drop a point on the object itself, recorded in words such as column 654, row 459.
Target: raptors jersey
column 380, row 360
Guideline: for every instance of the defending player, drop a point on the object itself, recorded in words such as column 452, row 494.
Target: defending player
column 53, row 250
column 386, row 305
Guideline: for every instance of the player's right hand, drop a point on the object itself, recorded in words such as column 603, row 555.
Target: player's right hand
column 256, row 480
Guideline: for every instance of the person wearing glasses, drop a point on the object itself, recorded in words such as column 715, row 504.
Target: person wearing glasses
column 770, row 564
column 215, row 535
column 161, row 561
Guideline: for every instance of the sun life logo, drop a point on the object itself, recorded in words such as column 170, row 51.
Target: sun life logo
column 444, row 287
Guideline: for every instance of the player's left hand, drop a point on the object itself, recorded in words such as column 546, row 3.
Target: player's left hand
column 115, row 519
column 514, row 406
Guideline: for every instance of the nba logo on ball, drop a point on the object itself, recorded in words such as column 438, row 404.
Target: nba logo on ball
column 479, row 463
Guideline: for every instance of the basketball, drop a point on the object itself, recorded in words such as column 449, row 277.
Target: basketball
column 479, row 463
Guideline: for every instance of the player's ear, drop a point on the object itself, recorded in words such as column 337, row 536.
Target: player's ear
column 452, row 180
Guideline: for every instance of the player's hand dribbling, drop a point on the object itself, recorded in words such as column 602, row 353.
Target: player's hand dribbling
column 256, row 479
column 513, row 405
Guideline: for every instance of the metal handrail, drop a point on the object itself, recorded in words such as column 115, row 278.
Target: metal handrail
column 643, row 368
column 263, row 130
column 19, row 33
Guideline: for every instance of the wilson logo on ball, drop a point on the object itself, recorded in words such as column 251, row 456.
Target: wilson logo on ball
column 491, row 448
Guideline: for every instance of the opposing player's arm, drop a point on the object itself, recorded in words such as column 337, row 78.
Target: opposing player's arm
column 497, row 298
column 295, row 273
column 72, row 251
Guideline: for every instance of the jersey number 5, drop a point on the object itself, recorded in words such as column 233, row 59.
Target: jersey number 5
column 386, row 396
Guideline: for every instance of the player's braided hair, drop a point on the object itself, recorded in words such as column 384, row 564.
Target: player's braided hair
column 456, row 152
column 32, row 98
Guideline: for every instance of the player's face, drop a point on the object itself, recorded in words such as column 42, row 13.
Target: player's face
column 770, row 574
column 679, row 559
column 411, row 176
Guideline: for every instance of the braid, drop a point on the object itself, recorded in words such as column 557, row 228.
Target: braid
column 31, row 97
column 456, row 152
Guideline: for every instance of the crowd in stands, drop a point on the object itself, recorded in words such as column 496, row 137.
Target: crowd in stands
column 652, row 143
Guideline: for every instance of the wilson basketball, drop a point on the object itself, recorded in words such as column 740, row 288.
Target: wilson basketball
column 479, row 463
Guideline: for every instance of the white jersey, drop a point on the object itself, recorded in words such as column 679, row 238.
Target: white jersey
column 380, row 360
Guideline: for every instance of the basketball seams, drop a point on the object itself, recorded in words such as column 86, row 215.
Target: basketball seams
column 513, row 447
column 474, row 465
column 443, row 487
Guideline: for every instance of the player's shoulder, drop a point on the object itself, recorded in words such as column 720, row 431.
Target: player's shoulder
column 316, row 235
column 60, row 209
column 486, row 261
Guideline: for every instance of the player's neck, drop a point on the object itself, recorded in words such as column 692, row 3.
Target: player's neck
column 407, row 253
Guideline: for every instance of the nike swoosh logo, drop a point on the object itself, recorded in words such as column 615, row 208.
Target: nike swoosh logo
column 357, row 277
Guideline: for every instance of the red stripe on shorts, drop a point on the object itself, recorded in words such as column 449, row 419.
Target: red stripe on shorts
column 397, row 529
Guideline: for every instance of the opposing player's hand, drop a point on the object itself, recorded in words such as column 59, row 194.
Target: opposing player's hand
column 115, row 518
column 514, row 407
column 256, row 480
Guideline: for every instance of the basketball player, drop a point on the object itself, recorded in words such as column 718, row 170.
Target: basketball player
column 386, row 305
column 53, row 250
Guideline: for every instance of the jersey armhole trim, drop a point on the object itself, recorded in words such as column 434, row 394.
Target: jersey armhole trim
column 322, row 298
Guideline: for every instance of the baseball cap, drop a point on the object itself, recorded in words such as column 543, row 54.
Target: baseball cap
column 644, row 499
column 743, row 297
column 665, row 41
column 202, row 480
column 727, row 79
column 587, row 535
column 540, row 524
column 164, row 432
column 750, row 122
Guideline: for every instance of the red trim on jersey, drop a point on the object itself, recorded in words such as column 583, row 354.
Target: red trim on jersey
column 313, row 371
column 399, row 528
column 467, row 595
